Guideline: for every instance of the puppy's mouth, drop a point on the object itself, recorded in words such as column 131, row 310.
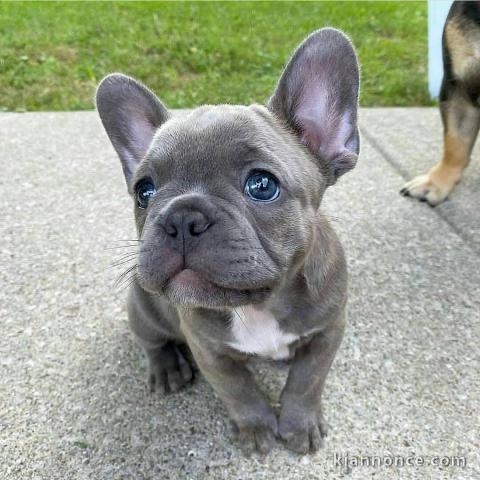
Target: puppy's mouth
column 190, row 279
column 188, row 287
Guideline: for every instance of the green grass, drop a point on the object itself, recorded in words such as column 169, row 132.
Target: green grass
column 53, row 54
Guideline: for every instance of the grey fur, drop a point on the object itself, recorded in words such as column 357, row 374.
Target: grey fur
column 207, row 248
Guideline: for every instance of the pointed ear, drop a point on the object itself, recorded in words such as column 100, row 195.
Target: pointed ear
column 131, row 114
column 317, row 95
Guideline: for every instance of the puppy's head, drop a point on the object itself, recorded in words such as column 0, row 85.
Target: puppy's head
column 226, row 196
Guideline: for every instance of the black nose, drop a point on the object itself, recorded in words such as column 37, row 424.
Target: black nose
column 190, row 223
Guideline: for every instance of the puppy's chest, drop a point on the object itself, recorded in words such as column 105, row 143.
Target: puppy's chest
column 257, row 332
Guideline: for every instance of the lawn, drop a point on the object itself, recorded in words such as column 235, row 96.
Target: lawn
column 53, row 54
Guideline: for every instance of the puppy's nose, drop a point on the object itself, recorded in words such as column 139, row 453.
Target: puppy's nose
column 190, row 223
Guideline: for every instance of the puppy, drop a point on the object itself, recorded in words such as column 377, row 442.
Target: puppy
column 235, row 258
column 459, row 104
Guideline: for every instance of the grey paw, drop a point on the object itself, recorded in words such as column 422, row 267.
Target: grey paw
column 302, row 431
column 168, row 369
column 258, row 436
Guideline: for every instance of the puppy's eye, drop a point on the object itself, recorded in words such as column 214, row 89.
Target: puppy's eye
column 145, row 189
column 262, row 186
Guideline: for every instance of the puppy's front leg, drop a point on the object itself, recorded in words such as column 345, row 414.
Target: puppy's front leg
column 252, row 415
column 301, row 423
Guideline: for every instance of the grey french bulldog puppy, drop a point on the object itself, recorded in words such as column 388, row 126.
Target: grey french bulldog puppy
column 235, row 258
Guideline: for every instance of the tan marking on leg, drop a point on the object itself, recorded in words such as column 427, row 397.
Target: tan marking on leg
column 464, row 46
column 456, row 153
column 448, row 172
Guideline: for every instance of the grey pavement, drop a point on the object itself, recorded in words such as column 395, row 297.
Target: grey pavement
column 73, row 400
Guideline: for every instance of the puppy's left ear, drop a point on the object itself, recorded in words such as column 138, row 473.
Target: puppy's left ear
column 317, row 96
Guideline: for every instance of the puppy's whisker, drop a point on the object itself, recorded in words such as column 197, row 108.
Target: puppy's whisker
column 128, row 255
column 124, row 259
column 129, row 240
column 134, row 253
column 129, row 281
column 241, row 318
column 126, row 244
column 119, row 264
column 127, row 258
column 125, row 275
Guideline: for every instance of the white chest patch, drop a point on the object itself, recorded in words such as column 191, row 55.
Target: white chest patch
column 257, row 332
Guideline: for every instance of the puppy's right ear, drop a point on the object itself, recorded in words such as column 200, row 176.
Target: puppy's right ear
column 131, row 114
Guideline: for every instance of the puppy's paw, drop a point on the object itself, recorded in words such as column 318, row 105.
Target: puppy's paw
column 302, row 429
column 257, row 435
column 433, row 187
column 168, row 370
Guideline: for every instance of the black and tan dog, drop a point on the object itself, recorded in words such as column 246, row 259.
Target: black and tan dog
column 459, row 104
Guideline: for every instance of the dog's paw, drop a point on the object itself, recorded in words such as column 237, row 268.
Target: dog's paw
column 257, row 436
column 302, row 429
column 168, row 370
column 433, row 187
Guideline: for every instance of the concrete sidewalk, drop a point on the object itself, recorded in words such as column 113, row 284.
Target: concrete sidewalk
column 73, row 401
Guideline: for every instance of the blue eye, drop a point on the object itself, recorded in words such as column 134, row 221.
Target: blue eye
column 145, row 189
column 262, row 186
